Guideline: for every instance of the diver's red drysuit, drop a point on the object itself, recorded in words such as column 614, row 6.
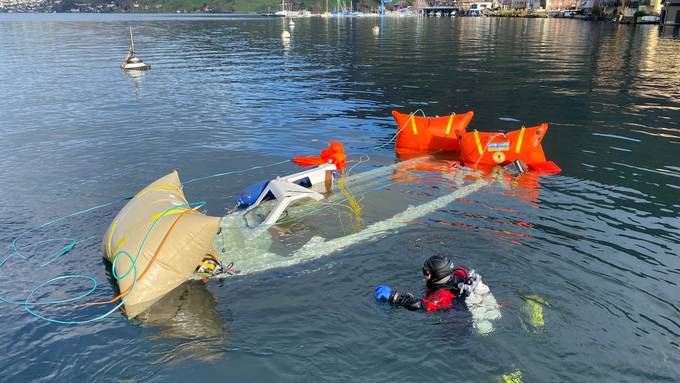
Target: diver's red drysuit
column 440, row 294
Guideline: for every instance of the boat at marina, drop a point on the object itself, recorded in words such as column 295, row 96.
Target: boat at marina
column 288, row 12
column 270, row 13
column 132, row 62
column 648, row 20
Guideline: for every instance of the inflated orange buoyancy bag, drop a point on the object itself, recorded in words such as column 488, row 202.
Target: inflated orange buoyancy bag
column 335, row 154
column 430, row 133
column 497, row 148
column 547, row 167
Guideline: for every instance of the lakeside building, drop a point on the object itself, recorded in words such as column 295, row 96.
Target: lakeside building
column 440, row 7
column 501, row 4
column 560, row 5
column 591, row 7
column 632, row 8
column 671, row 13
column 628, row 8
column 534, row 5
column 611, row 7
column 25, row 6
column 650, row 7
column 480, row 5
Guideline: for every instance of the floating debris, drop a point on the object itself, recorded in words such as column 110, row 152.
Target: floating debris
column 513, row 377
column 533, row 309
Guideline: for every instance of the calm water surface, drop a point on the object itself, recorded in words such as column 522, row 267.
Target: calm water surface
column 600, row 242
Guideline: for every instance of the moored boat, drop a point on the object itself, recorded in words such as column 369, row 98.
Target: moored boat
column 132, row 62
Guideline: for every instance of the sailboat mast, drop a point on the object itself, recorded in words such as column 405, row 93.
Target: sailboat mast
column 132, row 41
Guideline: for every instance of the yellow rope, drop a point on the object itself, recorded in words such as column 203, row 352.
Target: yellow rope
column 353, row 204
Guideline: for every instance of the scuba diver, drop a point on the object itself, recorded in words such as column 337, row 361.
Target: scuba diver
column 444, row 284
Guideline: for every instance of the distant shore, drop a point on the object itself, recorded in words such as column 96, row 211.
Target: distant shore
column 43, row 6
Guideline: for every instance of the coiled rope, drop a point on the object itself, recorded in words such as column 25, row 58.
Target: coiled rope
column 30, row 305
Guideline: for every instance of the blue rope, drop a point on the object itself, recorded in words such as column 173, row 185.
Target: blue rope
column 17, row 253
column 235, row 172
column 29, row 303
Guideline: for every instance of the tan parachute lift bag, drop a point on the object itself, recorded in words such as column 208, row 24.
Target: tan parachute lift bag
column 169, row 254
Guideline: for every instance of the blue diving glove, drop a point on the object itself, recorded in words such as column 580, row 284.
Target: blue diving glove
column 382, row 293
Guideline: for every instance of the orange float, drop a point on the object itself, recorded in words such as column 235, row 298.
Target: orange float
column 335, row 154
column 477, row 149
column 498, row 148
column 418, row 133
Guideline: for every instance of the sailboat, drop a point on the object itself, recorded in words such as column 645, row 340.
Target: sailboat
column 327, row 14
column 132, row 62
column 283, row 12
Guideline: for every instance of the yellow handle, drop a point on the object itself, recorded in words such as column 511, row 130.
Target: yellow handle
column 448, row 127
column 519, row 140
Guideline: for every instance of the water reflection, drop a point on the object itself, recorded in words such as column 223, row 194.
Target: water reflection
column 188, row 314
column 504, row 223
column 136, row 76
column 285, row 39
column 444, row 167
column 669, row 31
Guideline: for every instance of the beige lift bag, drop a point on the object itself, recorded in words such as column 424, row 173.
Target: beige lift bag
column 163, row 237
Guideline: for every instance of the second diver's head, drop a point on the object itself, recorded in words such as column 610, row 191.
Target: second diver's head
column 437, row 270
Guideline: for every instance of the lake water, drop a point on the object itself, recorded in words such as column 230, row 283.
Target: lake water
column 599, row 242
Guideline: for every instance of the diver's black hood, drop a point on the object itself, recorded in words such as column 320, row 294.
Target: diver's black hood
column 439, row 268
